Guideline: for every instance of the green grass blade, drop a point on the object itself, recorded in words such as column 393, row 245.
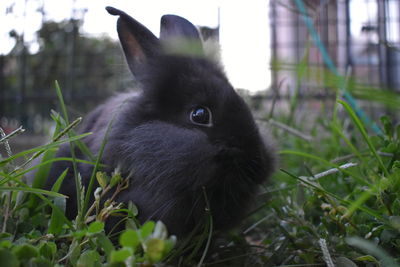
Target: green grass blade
column 364, row 134
column 209, row 228
column 81, row 145
column 31, row 190
column 61, row 100
column 373, row 249
column 43, row 148
column 56, row 221
column 338, row 130
column 59, row 212
column 44, row 169
column 325, row 162
column 98, row 159
column 72, row 151
column 57, row 185
column 49, row 162
column 348, row 203
column 360, row 201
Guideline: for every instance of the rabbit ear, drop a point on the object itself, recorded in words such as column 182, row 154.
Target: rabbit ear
column 179, row 35
column 175, row 26
column 137, row 41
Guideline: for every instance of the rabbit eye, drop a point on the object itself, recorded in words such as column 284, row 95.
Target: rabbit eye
column 201, row 116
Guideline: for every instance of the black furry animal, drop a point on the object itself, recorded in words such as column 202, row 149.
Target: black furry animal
column 187, row 130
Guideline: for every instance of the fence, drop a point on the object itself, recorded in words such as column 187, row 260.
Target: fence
column 88, row 70
column 362, row 37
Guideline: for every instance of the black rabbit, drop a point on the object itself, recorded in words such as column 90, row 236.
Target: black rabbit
column 186, row 132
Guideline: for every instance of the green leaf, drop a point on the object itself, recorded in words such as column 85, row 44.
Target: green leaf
column 155, row 249
column 56, row 220
column 47, row 249
column 6, row 236
column 120, row 255
column 25, row 251
column 78, row 234
column 387, row 235
column 133, row 209
column 117, row 264
column 131, row 224
column 129, row 238
column 40, row 262
column 8, row 259
column 345, row 262
column 146, row 229
column 74, row 252
column 104, row 243
column 102, row 179
column 96, row 227
column 387, row 125
column 367, row 258
column 115, row 179
column 5, row 244
column 89, row 258
column 169, row 244
column 395, row 222
column 371, row 248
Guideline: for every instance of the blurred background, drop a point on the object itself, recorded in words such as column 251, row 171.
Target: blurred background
column 265, row 46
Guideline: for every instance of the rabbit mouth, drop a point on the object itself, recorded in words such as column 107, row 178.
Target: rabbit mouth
column 236, row 164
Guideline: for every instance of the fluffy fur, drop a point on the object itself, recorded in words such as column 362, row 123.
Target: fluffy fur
column 153, row 141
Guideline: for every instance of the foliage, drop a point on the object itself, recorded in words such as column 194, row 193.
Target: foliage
column 339, row 185
column 335, row 200
column 35, row 232
column 89, row 68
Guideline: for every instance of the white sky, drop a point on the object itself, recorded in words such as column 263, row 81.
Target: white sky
column 366, row 13
column 244, row 32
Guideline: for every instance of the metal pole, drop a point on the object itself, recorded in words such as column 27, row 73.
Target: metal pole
column 274, row 45
column 383, row 66
column 349, row 62
column 2, row 87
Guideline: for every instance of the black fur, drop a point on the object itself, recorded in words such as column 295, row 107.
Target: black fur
column 168, row 158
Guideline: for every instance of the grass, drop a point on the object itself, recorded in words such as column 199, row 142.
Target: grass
column 335, row 200
column 34, row 229
column 342, row 188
